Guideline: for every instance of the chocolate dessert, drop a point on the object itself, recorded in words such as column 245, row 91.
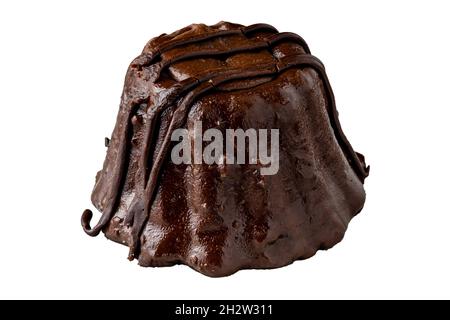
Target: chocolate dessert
column 219, row 218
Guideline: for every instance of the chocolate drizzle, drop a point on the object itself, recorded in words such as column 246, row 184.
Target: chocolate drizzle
column 180, row 97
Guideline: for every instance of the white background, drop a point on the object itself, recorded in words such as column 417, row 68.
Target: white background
column 62, row 66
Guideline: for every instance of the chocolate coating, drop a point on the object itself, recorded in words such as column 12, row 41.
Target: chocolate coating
column 222, row 218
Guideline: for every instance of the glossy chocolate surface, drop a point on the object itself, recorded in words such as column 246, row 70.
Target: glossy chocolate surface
column 219, row 219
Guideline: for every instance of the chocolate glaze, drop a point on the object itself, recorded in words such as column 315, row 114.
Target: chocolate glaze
column 222, row 218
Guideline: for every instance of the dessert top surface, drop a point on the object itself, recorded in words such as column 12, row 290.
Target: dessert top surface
column 197, row 49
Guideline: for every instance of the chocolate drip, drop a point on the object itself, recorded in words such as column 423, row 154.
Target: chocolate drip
column 118, row 172
column 208, row 36
column 258, row 27
column 288, row 36
column 211, row 53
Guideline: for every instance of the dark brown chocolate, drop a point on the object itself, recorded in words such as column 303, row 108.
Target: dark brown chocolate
column 221, row 218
